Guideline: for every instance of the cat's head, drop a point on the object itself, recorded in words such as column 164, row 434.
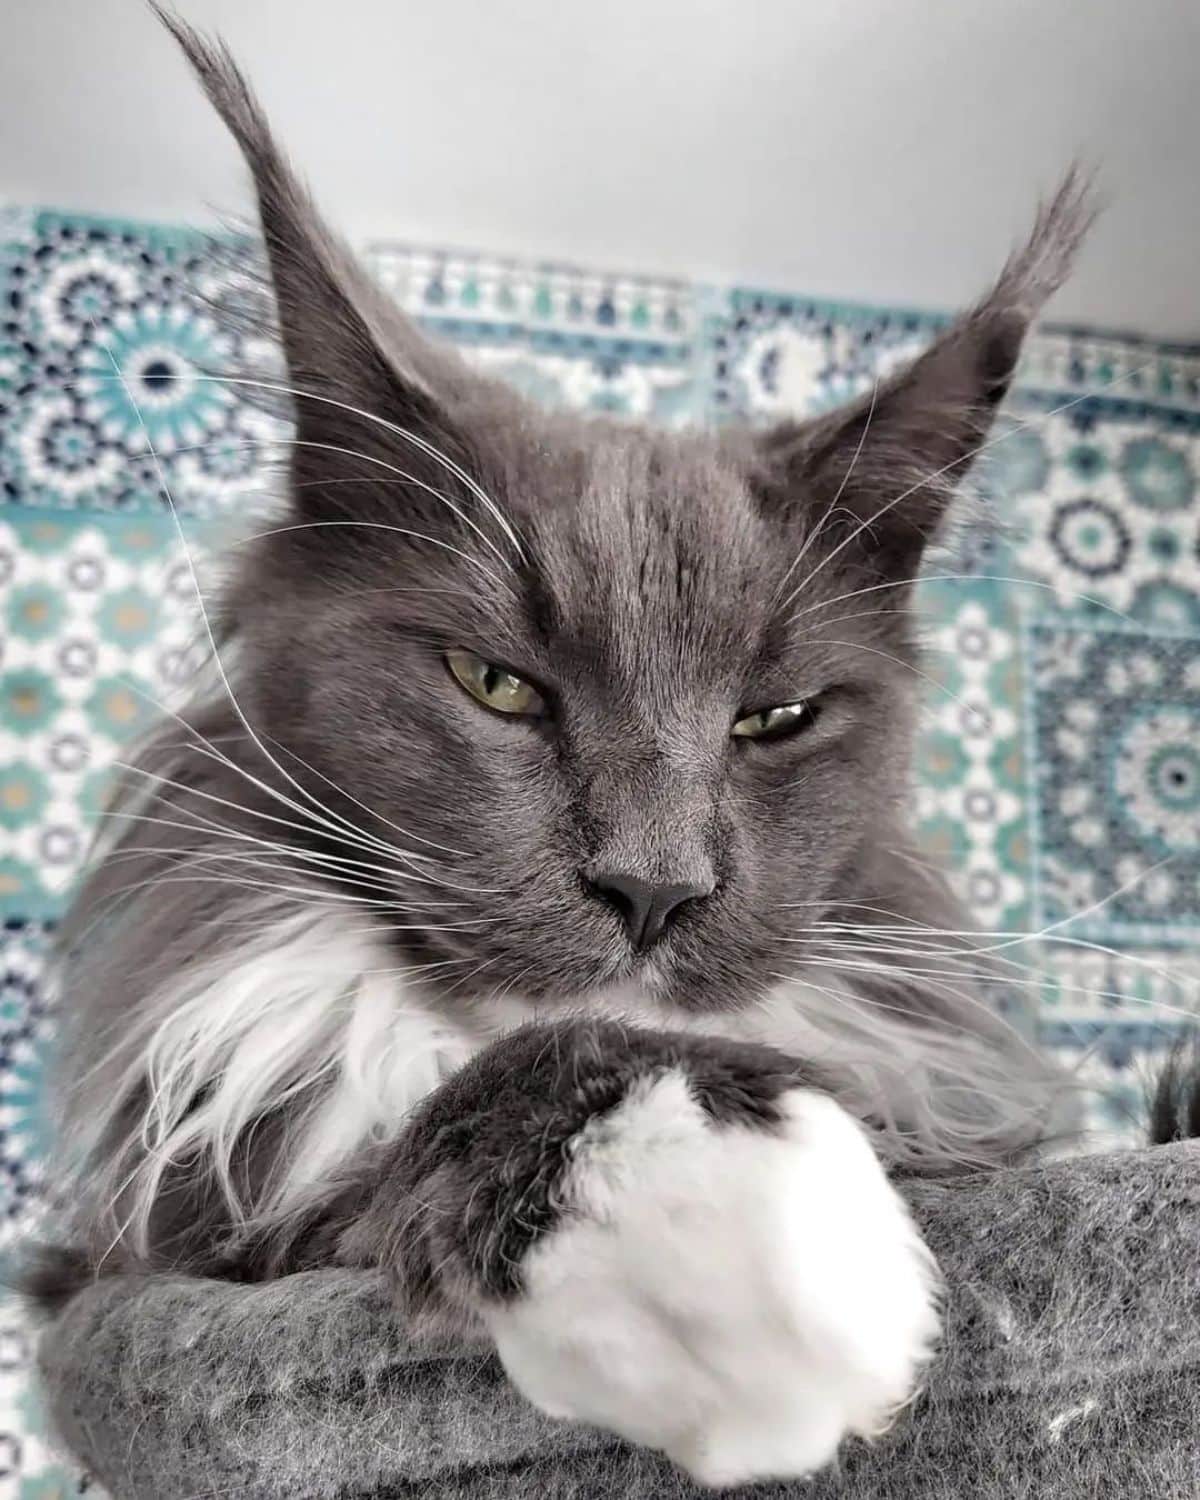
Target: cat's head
column 636, row 707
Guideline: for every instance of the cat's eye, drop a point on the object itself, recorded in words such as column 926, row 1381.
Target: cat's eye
column 495, row 687
column 775, row 723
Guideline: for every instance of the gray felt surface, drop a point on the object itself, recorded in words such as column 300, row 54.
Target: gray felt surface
column 1070, row 1367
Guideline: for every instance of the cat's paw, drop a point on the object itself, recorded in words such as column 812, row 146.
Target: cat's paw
column 740, row 1297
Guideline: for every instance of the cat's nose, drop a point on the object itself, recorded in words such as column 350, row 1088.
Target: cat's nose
column 645, row 908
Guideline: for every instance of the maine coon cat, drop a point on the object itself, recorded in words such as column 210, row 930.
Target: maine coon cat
column 527, row 906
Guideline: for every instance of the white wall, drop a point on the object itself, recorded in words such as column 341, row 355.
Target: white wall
column 882, row 150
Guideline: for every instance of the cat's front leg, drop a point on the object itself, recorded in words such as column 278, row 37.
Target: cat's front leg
column 683, row 1240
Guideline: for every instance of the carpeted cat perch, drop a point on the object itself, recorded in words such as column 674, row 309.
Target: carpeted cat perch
column 1070, row 1368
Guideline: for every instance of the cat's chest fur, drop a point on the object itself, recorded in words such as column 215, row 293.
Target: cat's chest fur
column 319, row 1006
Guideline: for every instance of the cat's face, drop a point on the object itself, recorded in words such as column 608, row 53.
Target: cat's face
column 662, row 598
column 650, row 594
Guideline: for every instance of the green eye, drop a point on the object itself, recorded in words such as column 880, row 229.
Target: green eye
column 493, row 686
column 775, row 723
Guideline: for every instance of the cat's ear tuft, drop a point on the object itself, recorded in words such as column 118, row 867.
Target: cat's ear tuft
column 352, row 356
column 892, row 459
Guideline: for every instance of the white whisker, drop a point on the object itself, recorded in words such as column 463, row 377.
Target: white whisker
column 831, row 509
column 920, row 578
column 896, row 661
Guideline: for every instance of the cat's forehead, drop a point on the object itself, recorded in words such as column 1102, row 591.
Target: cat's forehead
column 653, row 523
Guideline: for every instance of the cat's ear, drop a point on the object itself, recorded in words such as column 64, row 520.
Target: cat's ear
column 352, row 356
column 885, row 467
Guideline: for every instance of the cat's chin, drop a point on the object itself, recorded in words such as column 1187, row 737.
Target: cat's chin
column 620, row 999
column 650, row 996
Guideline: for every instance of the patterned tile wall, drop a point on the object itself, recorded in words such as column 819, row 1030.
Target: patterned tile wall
column 1060, row 753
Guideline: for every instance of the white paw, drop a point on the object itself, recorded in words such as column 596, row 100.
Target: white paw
column 739, row 1299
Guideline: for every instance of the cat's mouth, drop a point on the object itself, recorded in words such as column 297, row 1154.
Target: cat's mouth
column 645, row 985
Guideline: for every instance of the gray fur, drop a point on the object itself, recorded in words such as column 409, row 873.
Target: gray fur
column 1070, row 1369
column 656, row 587
column 475, row 1180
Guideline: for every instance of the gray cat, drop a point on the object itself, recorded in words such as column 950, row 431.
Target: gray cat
column 529, row 908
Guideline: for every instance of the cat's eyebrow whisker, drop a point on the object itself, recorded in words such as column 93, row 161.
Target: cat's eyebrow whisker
column 956, row 463
column 322, row 484
column 401, row 476
column 832, row 509
column 422, row 444
column 404, row 478
column 875, row 614
column 501, row 583
column 897, row 661
column 920, row 578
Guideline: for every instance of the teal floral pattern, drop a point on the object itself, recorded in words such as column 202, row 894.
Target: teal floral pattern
column 110, row 358
column 1157, row 476
column 151, row 380
column 1115, row 720
column 104, row 629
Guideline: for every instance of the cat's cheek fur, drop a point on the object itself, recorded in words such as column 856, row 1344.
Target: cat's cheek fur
column 741, row 1298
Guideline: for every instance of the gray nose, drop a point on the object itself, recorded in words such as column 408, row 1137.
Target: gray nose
column 645, row 908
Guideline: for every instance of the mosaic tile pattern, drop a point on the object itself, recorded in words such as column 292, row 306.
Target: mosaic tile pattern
column 774, row 356
column 1102, row 499
column 26, row 1028
column 1058, row 776
column 567, row 337
column 111, row 350
column 29, row 1469
column 98, row 628
column 969, row 797
column 1114, row 724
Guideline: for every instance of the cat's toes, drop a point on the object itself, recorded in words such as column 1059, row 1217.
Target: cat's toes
column 737, row 1296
